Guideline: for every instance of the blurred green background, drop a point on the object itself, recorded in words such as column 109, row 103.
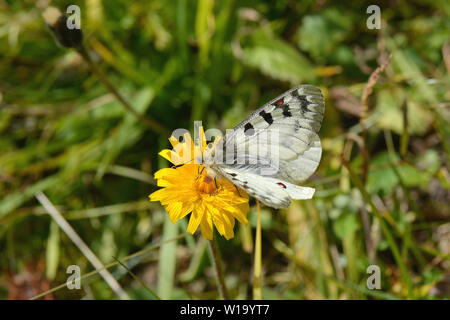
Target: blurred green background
column 62, row 132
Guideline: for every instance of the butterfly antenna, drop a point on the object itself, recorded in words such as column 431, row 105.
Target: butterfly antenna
column 200, row 173
column 179, row 165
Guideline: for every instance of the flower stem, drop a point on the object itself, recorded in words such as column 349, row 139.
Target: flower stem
column 257, row 279
column 217, row 263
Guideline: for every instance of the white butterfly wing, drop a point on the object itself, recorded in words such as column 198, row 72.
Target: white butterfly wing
column 294, row 119
column 272, row 192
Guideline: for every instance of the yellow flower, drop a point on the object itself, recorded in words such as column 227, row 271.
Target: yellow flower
column 187, row 188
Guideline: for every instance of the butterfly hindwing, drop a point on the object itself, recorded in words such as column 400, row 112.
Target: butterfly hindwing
column 272, row 192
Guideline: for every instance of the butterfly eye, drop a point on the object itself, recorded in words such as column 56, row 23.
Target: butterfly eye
column 210, row 145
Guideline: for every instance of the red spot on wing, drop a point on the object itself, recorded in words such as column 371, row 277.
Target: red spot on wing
column 281, row 185
column 280, row 102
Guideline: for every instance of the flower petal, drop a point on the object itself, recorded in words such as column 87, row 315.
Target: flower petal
column 206, row 226
column 186, row 208
column 182, row 193
column 171, row 156
column 196, row 217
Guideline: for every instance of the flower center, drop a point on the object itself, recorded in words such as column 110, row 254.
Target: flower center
column 206, row 184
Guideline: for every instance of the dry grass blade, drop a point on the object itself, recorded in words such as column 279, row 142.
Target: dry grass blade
column 137, row 279
column 446, row 55
column 71, row 233
column 112, row 264
column 364, row 110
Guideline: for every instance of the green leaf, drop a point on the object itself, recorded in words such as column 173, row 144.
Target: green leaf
column 198, row 260
column 277, row 59
column 128, row 132
column 388, row 108
column 320, row 34
column 412, row 177
column 345, row 225
column 167, row 260
column 18, row 197
column 429, row 161
column 384, row 179
column 267, row 221
column 52, row 253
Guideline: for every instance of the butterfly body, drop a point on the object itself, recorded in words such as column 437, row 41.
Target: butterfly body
column 274, row 149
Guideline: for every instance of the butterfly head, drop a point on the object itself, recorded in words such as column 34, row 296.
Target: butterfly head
column 206, row 159
column 208, row 154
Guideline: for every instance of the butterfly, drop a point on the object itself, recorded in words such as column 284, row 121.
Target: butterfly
column 274, row 149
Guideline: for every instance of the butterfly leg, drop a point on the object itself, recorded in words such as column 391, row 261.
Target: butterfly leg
column 215, row 183
column 237, row 189
column 200, row 173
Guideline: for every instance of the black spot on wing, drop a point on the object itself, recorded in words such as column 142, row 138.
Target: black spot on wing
column 297, row 125
column 304, row 102
column 267, row 117
column 286, row 111
column 249, row 130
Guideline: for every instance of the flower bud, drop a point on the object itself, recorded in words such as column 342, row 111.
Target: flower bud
column 58, row 25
